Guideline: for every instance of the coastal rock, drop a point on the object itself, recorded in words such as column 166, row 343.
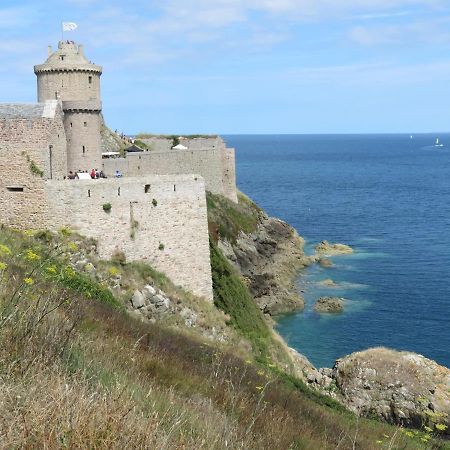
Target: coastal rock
column 325, row 262
column 268, row 259
column 329, row 305
column 325, row 248
column 327, row 283
column 398, row 387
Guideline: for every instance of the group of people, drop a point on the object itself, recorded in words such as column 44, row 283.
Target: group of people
column 94, row 174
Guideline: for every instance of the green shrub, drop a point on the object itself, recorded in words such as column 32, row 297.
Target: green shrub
column 107, row 207
column 233, row 298
column 154, row 202
column 161, row 246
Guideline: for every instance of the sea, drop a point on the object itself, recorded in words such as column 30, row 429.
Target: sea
column 387, row 196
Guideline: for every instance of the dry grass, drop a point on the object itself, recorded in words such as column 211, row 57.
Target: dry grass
column 79, row 373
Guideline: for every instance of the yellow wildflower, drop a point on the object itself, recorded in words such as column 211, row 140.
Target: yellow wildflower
column 3, row 266
column 4, row 250
column 28, row 280
column 69, row 271
column 428, row 429
column 72, row 246
column 441, row 427
column 51, row 270
column 113, row 271
column 260, row 388
column 31, row 256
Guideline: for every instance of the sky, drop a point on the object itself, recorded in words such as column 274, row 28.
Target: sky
column 246, row 66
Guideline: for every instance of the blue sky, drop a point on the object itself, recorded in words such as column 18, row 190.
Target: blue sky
column 246, row 66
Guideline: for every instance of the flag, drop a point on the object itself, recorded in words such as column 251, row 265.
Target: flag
column 69, row 26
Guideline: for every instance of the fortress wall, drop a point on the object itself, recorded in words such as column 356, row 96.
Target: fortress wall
column 68, row 85
column 229, row 174
column 80, row 135
column 209, row 163
column 22, row 141
column 158, row 144
column 137, row 227
column 203, row 142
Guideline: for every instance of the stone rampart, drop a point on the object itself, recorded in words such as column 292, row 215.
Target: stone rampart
column 161, row 220
column 215, row 165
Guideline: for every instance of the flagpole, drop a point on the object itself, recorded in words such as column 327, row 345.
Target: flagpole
column 62, row 32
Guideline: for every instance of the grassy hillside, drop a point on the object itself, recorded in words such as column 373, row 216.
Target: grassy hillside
column 76, row 371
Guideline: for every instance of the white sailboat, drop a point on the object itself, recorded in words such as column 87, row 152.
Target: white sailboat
column 438, row 144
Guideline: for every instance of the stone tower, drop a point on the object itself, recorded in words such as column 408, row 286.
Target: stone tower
column 68, row 76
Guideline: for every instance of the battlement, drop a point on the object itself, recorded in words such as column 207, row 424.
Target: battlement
column 68, row 58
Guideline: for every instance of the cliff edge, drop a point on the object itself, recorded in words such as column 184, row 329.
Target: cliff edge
column 266, row 251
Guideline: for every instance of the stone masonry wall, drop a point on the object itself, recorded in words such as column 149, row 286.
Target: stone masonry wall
column 171, row 233
column 68, row 85
column 83, row 140
column 22, row 194
column 215, row 165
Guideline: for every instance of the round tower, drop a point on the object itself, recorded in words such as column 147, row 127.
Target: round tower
column 68, row 76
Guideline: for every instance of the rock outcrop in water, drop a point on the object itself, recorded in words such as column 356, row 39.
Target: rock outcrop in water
column 398, row 387
column 329, row 305
column 327, row 249
column 269, row 258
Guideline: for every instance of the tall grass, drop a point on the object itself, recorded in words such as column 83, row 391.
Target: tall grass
column 77, row 372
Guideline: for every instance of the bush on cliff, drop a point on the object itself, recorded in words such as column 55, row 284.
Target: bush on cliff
column 227, row 219
column 233, row 297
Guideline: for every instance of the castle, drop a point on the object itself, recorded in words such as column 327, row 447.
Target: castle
column 156, row 212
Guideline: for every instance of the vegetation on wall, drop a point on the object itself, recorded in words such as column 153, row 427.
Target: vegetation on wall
column 143, row 135
column 34, row 169
column 142, row 144
column 107, row 207
column 227, row 219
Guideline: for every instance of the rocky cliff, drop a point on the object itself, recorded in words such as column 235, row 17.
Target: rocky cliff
column 266, row 251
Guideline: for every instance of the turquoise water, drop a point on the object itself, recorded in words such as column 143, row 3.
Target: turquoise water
column 388, row 196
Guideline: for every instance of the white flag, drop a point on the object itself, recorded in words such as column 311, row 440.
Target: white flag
column 69, row 26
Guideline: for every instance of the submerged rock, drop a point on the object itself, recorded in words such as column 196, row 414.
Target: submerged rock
column 399, row 387
column 327, row 283
column 329, row 305
column 328, row 249
column 325, row 262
